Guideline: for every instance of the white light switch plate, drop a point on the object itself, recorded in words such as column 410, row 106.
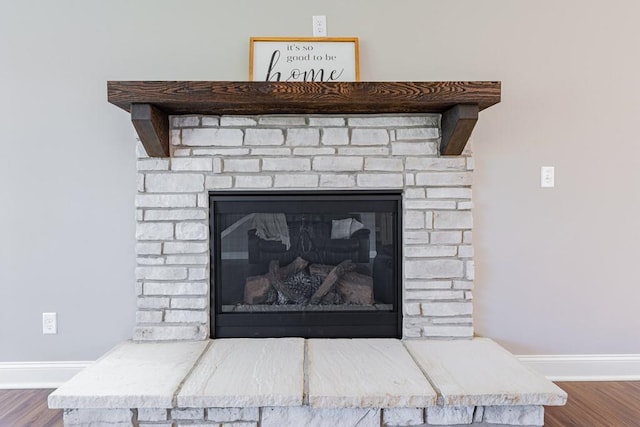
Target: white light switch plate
column 547, row 177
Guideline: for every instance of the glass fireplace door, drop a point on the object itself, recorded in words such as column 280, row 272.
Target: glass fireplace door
column 305, row 264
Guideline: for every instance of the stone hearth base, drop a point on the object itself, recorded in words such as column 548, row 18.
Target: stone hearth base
column 316, row 382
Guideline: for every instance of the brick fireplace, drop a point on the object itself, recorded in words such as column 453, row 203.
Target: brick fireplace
column 271, row 153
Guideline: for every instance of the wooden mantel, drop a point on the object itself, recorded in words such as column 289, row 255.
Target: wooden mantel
column 152, row 102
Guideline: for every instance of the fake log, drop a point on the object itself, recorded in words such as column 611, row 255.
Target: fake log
column 320, row 270
column 331, row 279
column 296, row 266
column 355, row 288
column 341, row 284
column 256, row 288
column 276, row 281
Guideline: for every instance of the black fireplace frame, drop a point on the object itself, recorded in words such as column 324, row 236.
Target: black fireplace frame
column 306, row 324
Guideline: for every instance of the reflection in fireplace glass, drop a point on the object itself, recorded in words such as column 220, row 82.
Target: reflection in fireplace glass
column 306, row 255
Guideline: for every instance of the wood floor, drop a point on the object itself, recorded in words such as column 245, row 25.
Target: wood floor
column 595, row 404
column 591, row 404
column 22, row 408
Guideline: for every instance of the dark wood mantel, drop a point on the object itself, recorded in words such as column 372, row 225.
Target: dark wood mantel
column 151, row 102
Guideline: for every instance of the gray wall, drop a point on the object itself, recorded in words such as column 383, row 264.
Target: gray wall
column 556, row 269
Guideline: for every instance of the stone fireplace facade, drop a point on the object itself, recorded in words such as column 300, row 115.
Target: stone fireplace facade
column 199, row 160
column 303, row 152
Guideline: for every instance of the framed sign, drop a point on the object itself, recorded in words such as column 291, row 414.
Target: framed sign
column 304, row 59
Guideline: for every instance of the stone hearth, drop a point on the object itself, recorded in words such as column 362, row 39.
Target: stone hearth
column 318, row 382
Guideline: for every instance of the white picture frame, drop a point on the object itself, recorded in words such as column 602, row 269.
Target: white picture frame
column 304, row 59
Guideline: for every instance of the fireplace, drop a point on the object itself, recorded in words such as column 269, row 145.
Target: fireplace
column 305, row 264
column 229, row 140
column 196, row 257
column 345, row 217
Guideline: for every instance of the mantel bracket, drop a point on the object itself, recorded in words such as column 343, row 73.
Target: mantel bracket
column 152, row 126
column 457, row 124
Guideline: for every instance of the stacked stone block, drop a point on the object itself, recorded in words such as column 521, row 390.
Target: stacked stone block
column 306, row 416
column 211, row 153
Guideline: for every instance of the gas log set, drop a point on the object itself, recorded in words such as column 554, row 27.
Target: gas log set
column 306, row 284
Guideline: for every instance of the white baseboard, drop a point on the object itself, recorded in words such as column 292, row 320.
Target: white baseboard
column 586, row 367
column 14, row 375
column 599, row 367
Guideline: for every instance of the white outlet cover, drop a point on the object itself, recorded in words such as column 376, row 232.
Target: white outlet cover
column 49, row 323
column 319, row 26
column 547, row 177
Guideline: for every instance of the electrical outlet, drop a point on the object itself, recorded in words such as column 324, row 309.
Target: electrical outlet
column 49, row 323
column 320, row 26
column 547, row 177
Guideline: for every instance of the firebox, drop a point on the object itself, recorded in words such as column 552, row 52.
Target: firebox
column 306, row 264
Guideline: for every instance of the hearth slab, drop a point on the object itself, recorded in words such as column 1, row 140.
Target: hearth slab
column 365, row 373
column 132, row 375
column 345, row 373
column 480, row 372
column 245, row 372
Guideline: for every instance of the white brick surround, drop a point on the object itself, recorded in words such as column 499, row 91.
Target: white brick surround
column 303, row 152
